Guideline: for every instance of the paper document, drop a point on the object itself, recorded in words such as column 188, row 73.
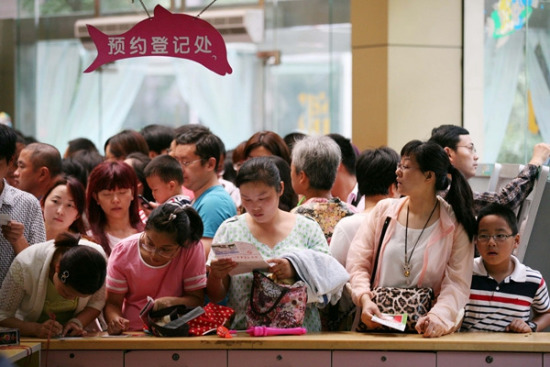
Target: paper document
column 245, row 254
column 398, row 322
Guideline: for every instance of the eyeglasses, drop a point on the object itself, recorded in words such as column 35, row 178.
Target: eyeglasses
column 402, row 167
column 186, row 164
column 162, row 252
column 471, row 148
column 499, row 238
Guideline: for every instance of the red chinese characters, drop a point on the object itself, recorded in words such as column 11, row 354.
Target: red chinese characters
column 165, row 34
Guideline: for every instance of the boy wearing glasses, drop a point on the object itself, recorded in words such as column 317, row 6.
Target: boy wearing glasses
column 504, row 292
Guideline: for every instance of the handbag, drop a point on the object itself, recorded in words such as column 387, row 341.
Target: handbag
column 171, row 321
column 415, row 302
column 274, row 304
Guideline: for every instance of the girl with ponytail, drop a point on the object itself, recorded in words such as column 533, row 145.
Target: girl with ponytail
column 54, row 288
column 165, row 262
column 427, row 242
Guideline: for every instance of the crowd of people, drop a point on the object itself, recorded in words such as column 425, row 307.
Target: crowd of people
column 88, row 238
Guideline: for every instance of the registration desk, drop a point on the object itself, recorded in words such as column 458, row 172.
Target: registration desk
column 341, row 349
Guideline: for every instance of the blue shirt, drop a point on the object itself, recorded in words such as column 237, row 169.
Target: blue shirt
column 214, row 206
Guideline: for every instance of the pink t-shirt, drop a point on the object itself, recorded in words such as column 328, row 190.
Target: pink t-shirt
column 128, row 274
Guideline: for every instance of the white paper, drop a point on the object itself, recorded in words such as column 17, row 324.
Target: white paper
column 245, row 254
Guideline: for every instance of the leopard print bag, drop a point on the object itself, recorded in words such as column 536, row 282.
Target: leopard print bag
column 415, row 302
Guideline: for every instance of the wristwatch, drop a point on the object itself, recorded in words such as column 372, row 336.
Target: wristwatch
column 532, row 325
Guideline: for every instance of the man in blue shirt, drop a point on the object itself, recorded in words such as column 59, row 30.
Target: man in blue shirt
column 198, row 151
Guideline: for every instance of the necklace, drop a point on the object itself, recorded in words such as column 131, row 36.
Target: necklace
column 407, row 265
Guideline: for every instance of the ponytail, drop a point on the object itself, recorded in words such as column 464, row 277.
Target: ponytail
column 182, row 222
column 461, row 199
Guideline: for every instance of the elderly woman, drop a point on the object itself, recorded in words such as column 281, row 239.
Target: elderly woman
column 315, row 160
column 428, row 241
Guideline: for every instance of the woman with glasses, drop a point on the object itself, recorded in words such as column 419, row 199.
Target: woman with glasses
column 165, row 262
column 427, row 243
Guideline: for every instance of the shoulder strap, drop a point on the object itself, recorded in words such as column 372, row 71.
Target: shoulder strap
column 384, row 228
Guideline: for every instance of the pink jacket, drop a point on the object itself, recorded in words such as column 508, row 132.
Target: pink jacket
column 447, row 260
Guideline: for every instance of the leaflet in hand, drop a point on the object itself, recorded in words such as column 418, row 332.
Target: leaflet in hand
column 398, row 322
column 245, row 254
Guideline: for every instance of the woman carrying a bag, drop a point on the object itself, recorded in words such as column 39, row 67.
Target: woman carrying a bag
column 273, row 231
column 427, row 240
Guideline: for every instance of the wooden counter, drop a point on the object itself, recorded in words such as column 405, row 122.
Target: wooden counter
column 531, row 342
column 346, row 349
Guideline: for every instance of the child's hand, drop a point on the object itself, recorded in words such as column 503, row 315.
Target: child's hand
column 117, row 325
column 48, row 329
column 430, row 327
column 73, row 328
column 518, row 326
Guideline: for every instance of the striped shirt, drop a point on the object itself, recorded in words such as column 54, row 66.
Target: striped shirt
column 492, row 306
column 22, row 207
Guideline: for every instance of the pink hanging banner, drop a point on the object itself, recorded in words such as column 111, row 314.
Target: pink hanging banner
column 165, row 34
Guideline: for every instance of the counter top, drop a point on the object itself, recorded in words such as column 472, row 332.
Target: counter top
column 509, row 342
column 17, row 352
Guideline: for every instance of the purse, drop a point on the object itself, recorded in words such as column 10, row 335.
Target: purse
column 415, row 302
column 274, row 304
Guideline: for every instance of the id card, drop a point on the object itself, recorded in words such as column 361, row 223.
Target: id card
column 4, row 219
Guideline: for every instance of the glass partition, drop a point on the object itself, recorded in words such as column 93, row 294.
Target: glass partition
column 297, row 77
column 516, row 79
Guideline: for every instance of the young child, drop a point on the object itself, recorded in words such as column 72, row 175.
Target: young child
column 503, row 291
column 165, row 178
column 166, row 262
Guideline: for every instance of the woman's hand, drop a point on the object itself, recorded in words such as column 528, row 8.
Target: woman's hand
column 430, row 326
column 518, row 326
column 48, row 329
column 220, row 268
column 117, row 325
column 282, row 268
column 74, row 328
column 369, row 309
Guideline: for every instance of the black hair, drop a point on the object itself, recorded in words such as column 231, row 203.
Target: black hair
column 375, row 171
column 207, row 145
column 8, row 139
column 78, row 144
column 73, row 168
column 499, row 210
column 430, row 156
column 349, row 157
column 81, row 267
column 288, row 199
column 260, row 169
column 291, row 139
column 183, row 222
column 166, row 167
column 45, row 155
column 139, row 161
column 158, row 137
column 448, row 136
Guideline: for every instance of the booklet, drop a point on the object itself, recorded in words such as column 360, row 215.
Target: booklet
column 245, row 254
column 398, row 322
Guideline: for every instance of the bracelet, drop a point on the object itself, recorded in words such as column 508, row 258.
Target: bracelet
column 76, row 322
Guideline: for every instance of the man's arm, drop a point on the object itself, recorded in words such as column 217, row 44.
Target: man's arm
column 515, row 192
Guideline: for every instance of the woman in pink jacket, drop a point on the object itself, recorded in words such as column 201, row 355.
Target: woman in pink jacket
column 428, row 241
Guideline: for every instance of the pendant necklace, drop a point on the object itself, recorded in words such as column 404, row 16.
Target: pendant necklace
column 407, row 265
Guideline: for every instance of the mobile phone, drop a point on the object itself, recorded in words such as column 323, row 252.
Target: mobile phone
column 144, row 202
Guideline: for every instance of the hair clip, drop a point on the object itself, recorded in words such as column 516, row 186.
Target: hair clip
column 171, row 217
column 64, row 276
